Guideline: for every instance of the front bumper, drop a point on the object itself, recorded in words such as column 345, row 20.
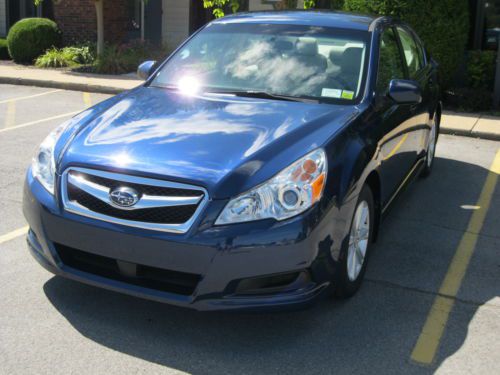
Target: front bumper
column 222, row 259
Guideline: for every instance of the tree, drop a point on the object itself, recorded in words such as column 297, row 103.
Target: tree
column 99, row 11
column 218, row 6
column 443, row 26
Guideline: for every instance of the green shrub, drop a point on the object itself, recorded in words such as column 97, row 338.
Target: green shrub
column 112, row 61
column 443, row 25
column 127, row 57
column 83, row 55
column 4, row 50
column 481, row 69
column 477, row 91
column 65, row 57
column 31, row 37
column 55, row 58
column 337, row 4
column 468, row 99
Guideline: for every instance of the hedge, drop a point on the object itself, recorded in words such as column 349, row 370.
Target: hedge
column 31, row 37
column 4, row 51
column 443, row 26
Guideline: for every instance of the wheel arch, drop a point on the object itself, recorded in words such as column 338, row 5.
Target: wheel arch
column 438, row 112
column 373, row 182
column 359, row 167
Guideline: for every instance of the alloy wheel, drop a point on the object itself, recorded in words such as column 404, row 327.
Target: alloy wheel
column 431, row 150
column 358, row 240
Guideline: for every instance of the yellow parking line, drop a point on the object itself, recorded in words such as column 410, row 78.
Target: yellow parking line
column 28, row 97
column 87, row 99
column 428, row 342
column 39, row 121
column 14, row 234
column 10, row 118
column 397, row 147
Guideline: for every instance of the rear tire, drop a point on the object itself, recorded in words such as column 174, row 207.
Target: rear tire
column 431, row 149
column 356, row 248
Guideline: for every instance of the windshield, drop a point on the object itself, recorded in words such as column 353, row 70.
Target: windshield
column 273, row 59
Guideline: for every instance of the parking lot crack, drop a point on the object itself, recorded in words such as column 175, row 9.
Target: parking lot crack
column 447, row 227
column 390, row 284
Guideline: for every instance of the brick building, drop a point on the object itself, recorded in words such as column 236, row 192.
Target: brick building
column 171, row 21
column 78, row 22
column 160, row 21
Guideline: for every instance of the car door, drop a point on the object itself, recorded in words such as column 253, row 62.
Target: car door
column 396, row 126
column 422, row 73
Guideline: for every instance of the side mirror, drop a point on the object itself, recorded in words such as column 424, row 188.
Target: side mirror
column 405, row 92
column 146, row 69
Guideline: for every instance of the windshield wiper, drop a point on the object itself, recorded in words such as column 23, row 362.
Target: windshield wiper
column 254, row 94
column 266, row 95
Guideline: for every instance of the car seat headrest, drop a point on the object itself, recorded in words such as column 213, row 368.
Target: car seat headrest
column 306, row 46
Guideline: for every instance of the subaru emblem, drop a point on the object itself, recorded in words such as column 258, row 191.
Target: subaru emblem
column 124, row 196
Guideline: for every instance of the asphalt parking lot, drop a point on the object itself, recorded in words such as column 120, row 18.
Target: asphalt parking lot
column 431, row 301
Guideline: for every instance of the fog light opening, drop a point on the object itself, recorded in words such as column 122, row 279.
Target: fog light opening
column 273, row 284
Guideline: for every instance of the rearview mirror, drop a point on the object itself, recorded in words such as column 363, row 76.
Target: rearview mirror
column 405, row 92
column 146, row 69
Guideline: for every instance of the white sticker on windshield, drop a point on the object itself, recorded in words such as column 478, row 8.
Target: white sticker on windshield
column 331, row 93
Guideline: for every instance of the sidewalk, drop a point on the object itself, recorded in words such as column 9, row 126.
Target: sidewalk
column 470, row 125
column 65, row 79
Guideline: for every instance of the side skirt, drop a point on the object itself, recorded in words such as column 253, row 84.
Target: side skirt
column 415, row 170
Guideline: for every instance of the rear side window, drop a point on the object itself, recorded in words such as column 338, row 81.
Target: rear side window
column 421, row 52
column 413, row 54
column 390, row 63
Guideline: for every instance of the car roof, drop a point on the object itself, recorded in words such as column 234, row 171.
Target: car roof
column 324, row 18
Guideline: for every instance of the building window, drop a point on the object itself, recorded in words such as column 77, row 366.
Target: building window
column 491, row 24
column 134, row 19
column 17, row 10
column 485, row 22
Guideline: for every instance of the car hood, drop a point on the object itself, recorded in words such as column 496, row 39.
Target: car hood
column 200, row 140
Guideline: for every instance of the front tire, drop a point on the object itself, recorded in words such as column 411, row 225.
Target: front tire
column 356, row 248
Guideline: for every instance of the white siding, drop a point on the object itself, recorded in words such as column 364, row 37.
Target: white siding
column 175, row 22
column 259, row 5
column 175, row 27
column 3, row 18
column 268, row 4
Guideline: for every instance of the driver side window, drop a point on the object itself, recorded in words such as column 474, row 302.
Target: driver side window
column 390, row 63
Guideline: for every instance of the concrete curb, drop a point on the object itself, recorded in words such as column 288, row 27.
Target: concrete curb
column 63, row 85
column 485, row 135
column 476, row 134
column 463, row 133
column 474, row 125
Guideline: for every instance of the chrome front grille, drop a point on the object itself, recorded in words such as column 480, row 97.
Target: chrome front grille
column 161, row 205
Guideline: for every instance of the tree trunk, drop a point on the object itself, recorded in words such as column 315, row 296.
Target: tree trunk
column 99, row 9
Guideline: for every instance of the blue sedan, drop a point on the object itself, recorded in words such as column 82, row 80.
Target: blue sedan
column 250, row 171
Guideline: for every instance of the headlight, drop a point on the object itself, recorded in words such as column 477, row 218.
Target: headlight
column 289, row 193
column 43, row 166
